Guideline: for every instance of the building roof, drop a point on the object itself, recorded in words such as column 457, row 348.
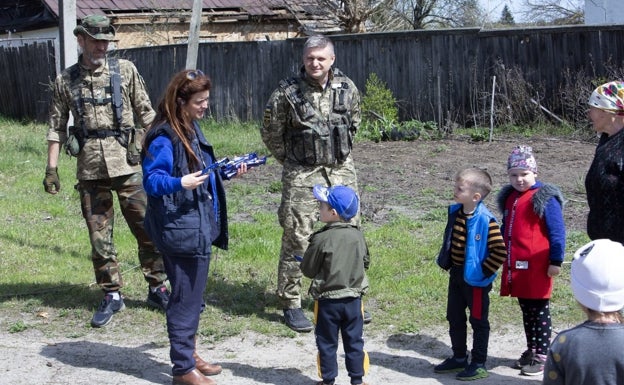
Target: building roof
column 306, row 12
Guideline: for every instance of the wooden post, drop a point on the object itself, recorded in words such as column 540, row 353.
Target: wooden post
column 193, row 40
column 492, row 108
column 68, row 43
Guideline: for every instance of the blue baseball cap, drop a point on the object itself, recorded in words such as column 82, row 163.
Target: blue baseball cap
column 341, row 198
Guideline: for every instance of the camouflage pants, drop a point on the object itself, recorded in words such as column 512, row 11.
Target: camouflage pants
column 298, row 213
column 96, row 200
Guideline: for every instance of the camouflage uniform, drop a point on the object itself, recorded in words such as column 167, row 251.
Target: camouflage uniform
column 102, row 166
column 298, row 209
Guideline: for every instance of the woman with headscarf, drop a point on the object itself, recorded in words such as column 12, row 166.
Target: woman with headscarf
column 604, row 181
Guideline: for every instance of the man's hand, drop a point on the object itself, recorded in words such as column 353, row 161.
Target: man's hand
column 51, row 182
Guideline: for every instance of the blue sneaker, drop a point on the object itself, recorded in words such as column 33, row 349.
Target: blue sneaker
column 451, row 365
column 473, row 371
column 158, row 299
column 297, row 321
column 105, row 311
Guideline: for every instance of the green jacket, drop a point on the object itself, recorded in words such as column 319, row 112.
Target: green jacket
column 336, row 260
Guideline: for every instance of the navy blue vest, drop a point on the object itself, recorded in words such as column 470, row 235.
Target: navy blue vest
column 187, row 222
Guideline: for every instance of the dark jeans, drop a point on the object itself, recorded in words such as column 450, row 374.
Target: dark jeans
column 477, row 300
column 345, row 316
column 188, row 278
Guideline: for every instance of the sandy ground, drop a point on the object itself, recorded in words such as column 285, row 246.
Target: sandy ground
column 401, row 359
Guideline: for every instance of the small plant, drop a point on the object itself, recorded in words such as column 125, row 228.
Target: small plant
column 379, row 109
column 479, row 135
column 275, row 186
column 17, row 327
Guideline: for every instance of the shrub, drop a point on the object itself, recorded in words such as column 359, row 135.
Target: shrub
column 379, row 109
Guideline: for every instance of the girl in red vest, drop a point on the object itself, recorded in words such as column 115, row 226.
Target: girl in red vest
column 534, row 233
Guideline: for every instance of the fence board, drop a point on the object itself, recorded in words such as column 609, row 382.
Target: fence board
column 436, row 75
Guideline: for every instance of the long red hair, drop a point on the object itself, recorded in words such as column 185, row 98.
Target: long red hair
column 180, row 89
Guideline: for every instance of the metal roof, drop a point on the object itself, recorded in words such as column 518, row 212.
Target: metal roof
column 112, row 7
column 23, row 15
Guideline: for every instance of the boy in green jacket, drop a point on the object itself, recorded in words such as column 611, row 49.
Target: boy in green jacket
column 336, row 260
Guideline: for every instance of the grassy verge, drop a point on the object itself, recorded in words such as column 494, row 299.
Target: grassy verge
column 46, row 279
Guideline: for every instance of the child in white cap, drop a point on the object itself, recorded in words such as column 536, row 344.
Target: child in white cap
column 534, row 232
column 336, row 260
column 591, row 353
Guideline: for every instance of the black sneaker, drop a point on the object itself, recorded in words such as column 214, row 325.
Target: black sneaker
column 536, row 367
column 297, row 321
column 451, row 365
column 525, row 359
column 158, row 299
column 367, row 317
column 473, row 371
column 105, row 311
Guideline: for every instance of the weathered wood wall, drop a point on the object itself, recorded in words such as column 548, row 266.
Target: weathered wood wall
column 434, row 74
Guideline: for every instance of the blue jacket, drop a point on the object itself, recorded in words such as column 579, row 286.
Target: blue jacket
column 182, row 222
column 477, row 227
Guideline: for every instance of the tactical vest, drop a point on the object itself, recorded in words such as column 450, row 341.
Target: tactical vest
column 77, row 135
column 313, row 139
column 114, row 90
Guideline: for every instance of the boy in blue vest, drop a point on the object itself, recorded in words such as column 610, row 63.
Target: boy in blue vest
column 336, row 260
column 472, row 251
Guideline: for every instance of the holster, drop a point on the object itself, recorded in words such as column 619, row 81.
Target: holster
column 132, row 138
column 75, row 141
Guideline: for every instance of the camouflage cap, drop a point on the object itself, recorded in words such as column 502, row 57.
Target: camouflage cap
column 96, row 26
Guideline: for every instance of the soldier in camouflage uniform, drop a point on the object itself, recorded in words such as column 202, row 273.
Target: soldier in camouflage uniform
column 309, row 124
column 101, row 134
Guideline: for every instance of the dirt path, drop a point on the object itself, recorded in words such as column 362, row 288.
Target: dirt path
column 30, row 358
column 399, row 172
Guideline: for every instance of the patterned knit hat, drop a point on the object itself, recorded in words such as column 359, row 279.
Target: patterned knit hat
column 609, row 97
column 522, row 157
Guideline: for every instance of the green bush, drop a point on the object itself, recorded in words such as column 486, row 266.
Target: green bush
column 379, row 109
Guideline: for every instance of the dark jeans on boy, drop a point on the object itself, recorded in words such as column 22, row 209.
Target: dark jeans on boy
column 342, row 315
column 477, row 300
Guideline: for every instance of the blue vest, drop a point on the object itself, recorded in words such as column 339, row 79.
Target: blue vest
column 478, row 228
column 187, row 222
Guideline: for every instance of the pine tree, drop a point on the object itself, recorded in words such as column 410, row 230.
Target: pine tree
column 507, row 17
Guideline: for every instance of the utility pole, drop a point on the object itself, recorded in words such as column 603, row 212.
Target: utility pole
column 193, row 40
column 68, row 45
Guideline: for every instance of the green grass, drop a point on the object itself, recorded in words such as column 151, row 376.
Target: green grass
column 46, row 278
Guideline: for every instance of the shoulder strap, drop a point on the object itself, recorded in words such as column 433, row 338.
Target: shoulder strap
column 293, row 93
column 115, row 81
column 76, row 94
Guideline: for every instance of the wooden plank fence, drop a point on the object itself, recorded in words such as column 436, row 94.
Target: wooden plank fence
column 440, row 75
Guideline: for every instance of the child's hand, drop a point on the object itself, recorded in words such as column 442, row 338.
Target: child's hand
column 553, row 270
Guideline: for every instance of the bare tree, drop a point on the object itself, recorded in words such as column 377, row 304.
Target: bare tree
column 354, row 14
column 557, row 12
column 421, row 14
column 391, row 15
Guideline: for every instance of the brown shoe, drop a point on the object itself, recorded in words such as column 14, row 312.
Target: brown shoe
column 194, row 377
column 205, row 368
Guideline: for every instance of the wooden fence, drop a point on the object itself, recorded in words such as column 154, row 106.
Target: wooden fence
column 438, row 75
column 26, row 73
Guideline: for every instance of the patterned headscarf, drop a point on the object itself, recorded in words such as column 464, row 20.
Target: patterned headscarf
column 609, row 97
